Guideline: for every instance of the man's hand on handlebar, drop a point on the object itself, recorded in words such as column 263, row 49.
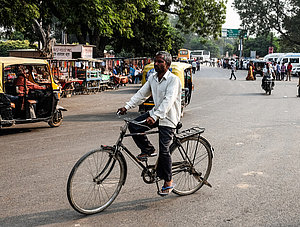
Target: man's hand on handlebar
column 121, row 111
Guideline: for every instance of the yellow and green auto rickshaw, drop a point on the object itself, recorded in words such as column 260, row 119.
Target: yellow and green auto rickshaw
column 180, row 69
column 28, row 92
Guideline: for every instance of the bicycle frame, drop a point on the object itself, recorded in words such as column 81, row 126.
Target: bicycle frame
column 119, row 144
column 108, row 168
column 146, row 168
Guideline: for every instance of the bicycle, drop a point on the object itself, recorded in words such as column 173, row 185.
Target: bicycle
column 97, row 177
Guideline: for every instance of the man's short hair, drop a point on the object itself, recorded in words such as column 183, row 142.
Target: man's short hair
column 167, row 57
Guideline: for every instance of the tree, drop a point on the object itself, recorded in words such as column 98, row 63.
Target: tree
column 101, row 22
column 261, row 45
column 5, row 46
column 197, row 16
column 262, row 16
column 152, row 33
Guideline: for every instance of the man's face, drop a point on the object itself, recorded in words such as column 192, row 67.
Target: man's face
column 160, row 64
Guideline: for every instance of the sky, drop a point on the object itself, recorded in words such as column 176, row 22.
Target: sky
column 232, row 17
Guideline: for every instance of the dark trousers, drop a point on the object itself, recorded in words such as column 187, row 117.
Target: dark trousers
column 164, row 166
column 278, row 77
column 232, row 75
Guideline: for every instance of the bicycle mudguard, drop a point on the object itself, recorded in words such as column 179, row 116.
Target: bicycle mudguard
column 210, row 146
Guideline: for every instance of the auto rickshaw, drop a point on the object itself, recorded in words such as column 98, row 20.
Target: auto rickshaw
column 180, row 69
column 28, row 92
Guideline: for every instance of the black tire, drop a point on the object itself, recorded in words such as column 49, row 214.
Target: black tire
column 56, row 119
column 89, row 194
column 192, row 174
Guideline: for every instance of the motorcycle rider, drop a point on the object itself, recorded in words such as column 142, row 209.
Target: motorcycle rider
column 268, row 73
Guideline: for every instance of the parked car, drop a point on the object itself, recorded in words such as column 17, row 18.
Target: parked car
column 296, row 70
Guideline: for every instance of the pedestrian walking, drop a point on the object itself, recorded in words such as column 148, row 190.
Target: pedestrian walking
column 289, row 72
column 198, row 65
column 282, row 71
column 250, row 72
column 233, row 69
column 194, row 66
column 298, row 86
column 277, row 71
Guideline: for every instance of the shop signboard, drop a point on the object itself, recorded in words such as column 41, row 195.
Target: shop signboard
column 62, row 52
column 87, row 52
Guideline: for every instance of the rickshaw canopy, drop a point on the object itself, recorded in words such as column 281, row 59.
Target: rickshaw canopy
column 176, row 68
column 7, row 61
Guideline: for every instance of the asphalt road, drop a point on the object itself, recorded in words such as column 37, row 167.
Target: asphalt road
column 255, row 174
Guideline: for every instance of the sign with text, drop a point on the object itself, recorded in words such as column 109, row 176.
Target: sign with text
column 62, row 52
column 87, row 52
column 233, row 33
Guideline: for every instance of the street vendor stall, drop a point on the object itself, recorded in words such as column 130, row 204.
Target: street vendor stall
column 89, row 70
column 63, row 72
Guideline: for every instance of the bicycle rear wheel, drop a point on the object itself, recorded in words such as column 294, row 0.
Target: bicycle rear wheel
column 191, row 164
column 95, row 181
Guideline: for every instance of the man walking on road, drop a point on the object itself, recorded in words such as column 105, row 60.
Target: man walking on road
column 165, row 88
column 233, row 69
column 194, row 66
column 289, row 72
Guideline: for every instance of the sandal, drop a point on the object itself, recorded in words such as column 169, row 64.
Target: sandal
column 144, row 156
column 166, row 190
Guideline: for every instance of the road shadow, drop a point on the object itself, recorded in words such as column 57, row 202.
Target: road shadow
column 41, row 218
column 128, row 89
column 98, row 117
column 12, row 130
column 247, row 94
column 66, row 215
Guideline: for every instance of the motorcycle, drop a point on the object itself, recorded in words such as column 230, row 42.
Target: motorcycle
column 268, row 85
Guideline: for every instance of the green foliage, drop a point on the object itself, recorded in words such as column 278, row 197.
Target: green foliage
column 261, row 16
column 5, row 46
column 261, row 45
column 17, row 14
column 229, row 48
column 140, row 26
column 198, row 16
column 151, row 34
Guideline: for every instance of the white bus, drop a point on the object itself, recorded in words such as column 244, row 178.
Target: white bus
column 274, row 57
column 202, row 55
column 293, row 58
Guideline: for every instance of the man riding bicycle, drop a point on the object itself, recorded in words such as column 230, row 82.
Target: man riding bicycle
column 165, row 88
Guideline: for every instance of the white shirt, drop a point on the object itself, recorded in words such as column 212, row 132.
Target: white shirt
column 194, row 64
column 267, row 72
column 166, row 95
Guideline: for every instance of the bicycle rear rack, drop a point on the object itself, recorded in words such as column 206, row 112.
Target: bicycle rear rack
column 190, row 132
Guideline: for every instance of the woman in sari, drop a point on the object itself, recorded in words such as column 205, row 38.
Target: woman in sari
column 250, row 72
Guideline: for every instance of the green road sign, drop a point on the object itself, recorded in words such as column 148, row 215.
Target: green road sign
column 233, row 33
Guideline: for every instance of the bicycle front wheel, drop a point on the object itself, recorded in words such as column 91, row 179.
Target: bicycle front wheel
column 191, row 164
column 95, row 181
